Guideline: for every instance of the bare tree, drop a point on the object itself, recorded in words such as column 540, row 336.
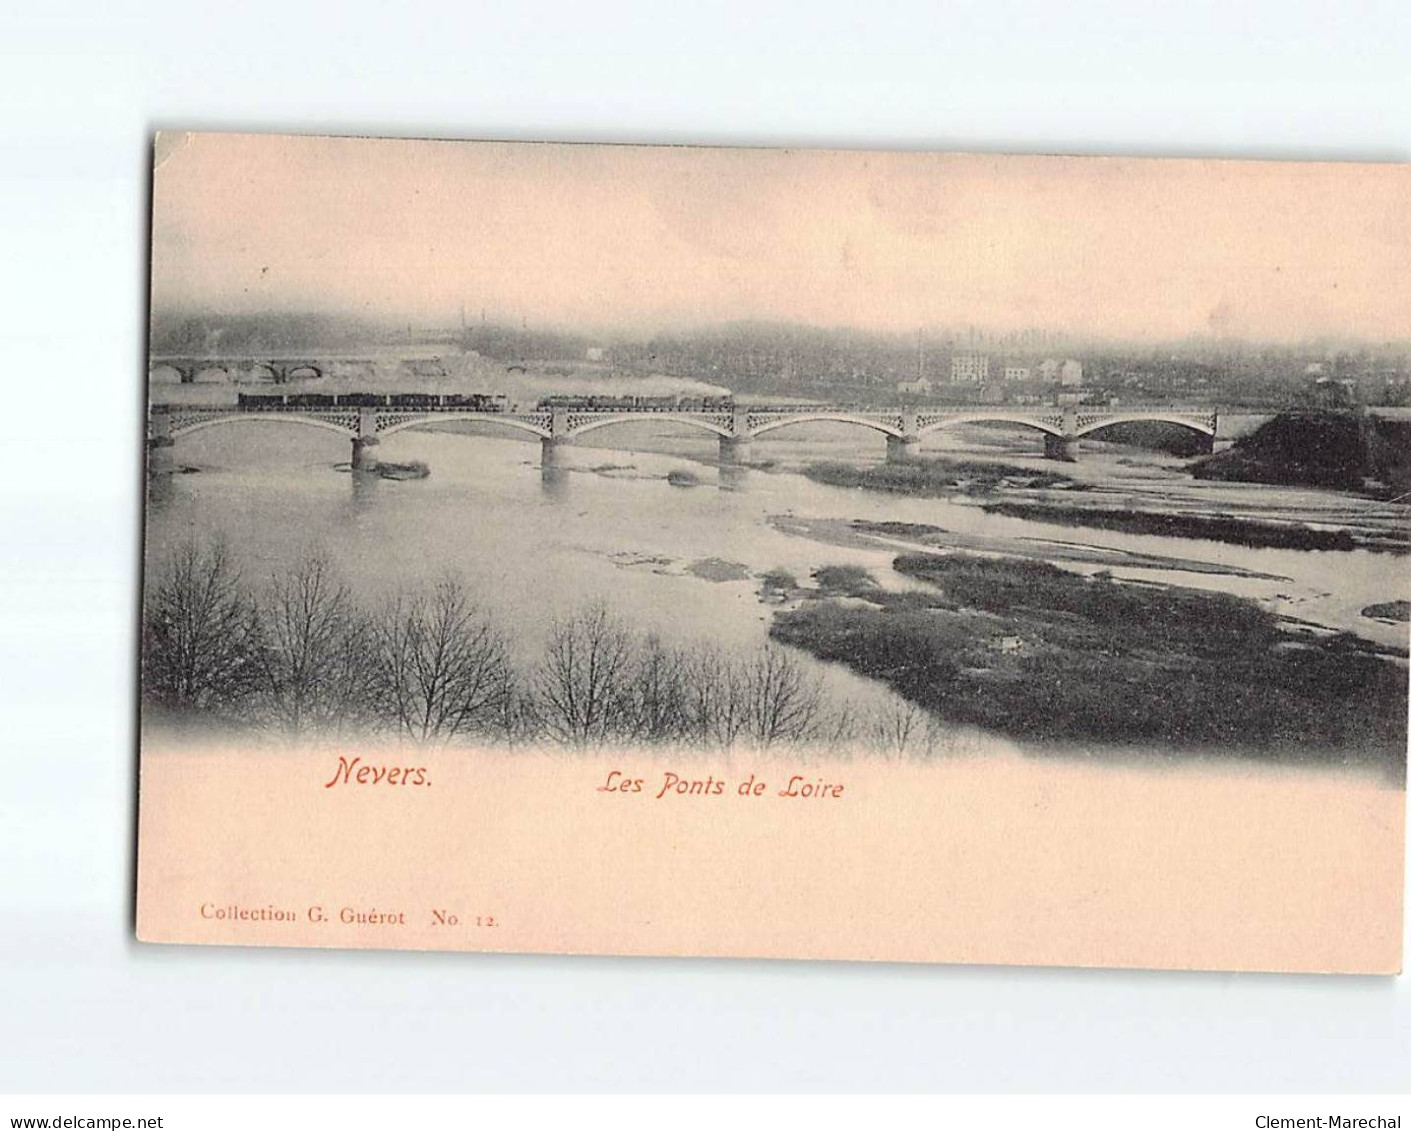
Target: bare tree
column 898, row 727
column 315, row 666
column 442, row 666
column 201, row 639
column 581, row 690
column 782, row 700
column 656, row 694
column 433, row 667
column 715, row 707
column 518, row 720
column 838, row 725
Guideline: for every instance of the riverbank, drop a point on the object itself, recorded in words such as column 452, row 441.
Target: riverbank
column 1046, row 655
column 1343, row 449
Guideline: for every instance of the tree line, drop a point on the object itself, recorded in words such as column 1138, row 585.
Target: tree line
column 297, row 656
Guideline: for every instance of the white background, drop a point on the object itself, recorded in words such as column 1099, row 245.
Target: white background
column 82, row 1006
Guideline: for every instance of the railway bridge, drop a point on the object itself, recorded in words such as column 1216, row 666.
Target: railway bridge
column 735, row 428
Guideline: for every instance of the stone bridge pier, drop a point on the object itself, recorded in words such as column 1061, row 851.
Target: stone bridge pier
column 551, row 451
column 161, row 459
column 1064, row 447
column 903, row 449
column 1232, row 426
column 364, row 458
column 735, row 449
column 907, row 446
column 551, row 446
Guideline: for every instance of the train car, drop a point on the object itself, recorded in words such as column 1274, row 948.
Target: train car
column 309, row 400
column 475, row 402
column 362, row 400
column 414, row 400
column 706, row 404
column 637, row 403
column 261, row 400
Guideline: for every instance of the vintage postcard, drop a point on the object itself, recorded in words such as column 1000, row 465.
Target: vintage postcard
column 784, row 553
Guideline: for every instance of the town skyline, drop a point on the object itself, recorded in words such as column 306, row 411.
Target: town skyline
column 941, row 336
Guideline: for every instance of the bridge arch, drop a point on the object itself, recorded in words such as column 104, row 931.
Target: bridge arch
column 1203, row 427
column 478, row 417
column 177, row 368
column 818, row 417
column 655, row 418
column 991, row 417
column 201, row 425
column 201, row 372
column 293, row 370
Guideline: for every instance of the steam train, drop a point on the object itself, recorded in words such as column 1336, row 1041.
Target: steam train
column 484, row 402
column 473, row 402
column 638, row 404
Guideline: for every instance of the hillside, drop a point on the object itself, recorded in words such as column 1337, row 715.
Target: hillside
column 1341, row 449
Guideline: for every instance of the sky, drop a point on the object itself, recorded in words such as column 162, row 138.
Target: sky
column 644, row 238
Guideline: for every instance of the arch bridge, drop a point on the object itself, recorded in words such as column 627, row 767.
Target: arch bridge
column 280, row 370
column 1062, row 427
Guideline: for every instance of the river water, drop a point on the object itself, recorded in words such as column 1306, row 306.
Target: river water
column 488, row 510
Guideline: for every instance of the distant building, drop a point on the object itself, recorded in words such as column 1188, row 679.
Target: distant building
column 1397, row 390
column 969, row 368
column 595, row 353
column 1332, row 392
column 920, row 385
column 1017, row 373
column 1067, row 372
